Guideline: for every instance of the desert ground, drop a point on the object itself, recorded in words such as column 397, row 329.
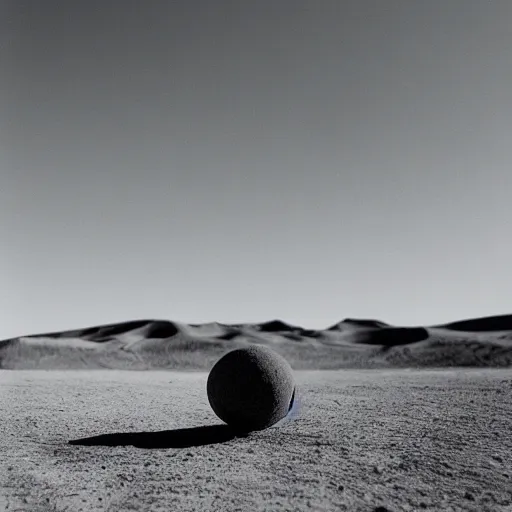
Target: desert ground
column 358, row 440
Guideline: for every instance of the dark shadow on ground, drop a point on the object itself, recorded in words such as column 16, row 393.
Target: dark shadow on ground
column 180, row 438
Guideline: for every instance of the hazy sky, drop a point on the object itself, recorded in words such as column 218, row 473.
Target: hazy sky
column 249, row 160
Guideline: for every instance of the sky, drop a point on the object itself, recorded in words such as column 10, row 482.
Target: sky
column 240, row 161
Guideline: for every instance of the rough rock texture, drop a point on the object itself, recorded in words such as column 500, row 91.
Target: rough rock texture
column 251, row 388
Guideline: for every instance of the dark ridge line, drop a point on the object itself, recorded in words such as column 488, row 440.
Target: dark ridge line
column 277, row 326
column 363, row 322
column 91, row 330
column 480, row 324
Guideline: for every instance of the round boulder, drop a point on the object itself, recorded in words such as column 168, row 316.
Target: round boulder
column 251, row 388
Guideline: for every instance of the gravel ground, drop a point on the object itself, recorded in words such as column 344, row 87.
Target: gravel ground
column 374, row 440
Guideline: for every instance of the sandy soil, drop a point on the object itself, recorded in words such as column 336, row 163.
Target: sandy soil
column 402, row 440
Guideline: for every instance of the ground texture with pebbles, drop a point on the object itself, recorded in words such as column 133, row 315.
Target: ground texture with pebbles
column 370, row 440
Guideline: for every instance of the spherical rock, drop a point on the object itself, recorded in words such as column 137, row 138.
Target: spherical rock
column 251, row 388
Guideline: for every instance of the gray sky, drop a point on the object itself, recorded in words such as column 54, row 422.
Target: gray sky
column 242, row 161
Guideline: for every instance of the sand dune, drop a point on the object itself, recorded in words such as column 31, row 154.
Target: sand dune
column 484, row 324
column 354, row 323
column 352, row 343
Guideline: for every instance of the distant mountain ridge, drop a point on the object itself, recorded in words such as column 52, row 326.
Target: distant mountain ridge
column 361, row 343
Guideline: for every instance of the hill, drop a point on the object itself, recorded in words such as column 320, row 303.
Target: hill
column 352, row 343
